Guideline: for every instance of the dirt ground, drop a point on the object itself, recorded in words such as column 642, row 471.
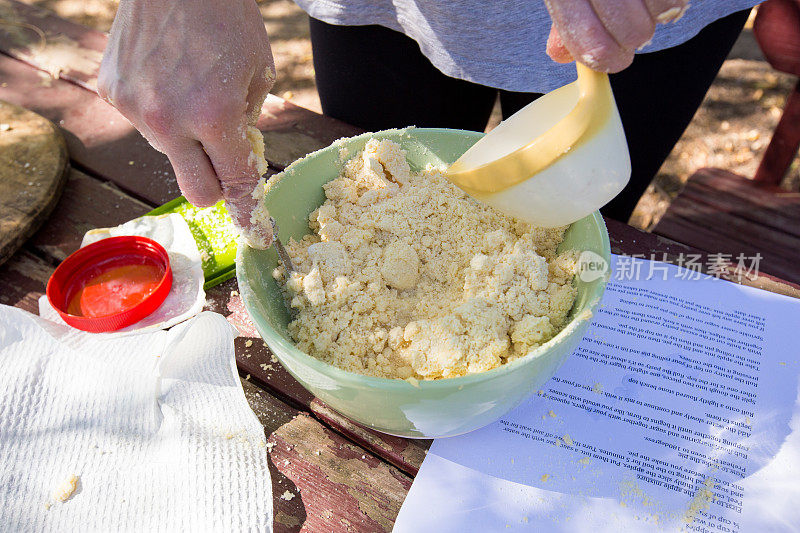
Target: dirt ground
column 730, row 131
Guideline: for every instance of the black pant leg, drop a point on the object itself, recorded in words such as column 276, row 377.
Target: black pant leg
column 511, row 102
column 657, row 97
column 377, row 78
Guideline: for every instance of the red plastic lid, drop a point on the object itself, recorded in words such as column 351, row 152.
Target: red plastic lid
column 111, row 284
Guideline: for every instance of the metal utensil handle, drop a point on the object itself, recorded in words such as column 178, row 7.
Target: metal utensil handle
column 282, row 254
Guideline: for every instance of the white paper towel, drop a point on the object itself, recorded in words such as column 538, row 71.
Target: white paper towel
column 186, row 298
column 155, row 425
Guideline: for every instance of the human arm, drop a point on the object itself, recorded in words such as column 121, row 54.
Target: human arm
column 604, row 34
column 191, row 76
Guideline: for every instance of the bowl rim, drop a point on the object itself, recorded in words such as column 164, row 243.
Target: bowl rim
column 340, row 375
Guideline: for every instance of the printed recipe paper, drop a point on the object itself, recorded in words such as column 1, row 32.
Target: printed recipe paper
column 677, row 411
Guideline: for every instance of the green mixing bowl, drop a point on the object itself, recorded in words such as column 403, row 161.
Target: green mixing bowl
column 427, row 409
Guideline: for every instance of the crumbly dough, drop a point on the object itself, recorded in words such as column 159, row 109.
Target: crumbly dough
column 259, row 233
column 256, row 157
column 66, row 488
column 405, row 276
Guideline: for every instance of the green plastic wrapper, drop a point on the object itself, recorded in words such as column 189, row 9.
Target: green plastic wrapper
column 214, row 233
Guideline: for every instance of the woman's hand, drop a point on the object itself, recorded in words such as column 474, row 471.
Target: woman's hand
column 604, row 34
column 191, row 75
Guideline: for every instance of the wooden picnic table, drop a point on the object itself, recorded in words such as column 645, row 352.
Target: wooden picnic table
column 346, row 477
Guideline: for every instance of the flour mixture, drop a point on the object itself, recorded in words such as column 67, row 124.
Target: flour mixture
column 405, row 276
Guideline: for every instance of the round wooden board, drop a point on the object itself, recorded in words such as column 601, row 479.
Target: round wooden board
column 33, row 170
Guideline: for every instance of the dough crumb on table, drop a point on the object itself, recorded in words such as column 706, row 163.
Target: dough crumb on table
column 405, row 276
column 66, row 489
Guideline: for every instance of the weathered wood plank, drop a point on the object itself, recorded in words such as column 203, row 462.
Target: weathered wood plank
column 776, row 30
column 342, row 487
column 291, row 132
column 782, row 149
column 98, row 138
column 689, row 227
column 628, row 240
column 64, row 49
column 62, row 233
column 258, row 361
column 23, row 279
column 720, row 212
column 332, row 484
column 751, row 237
column 405, row 454
column 712, row 241
column 289, row 515
column 755, row 209
column 765, row 196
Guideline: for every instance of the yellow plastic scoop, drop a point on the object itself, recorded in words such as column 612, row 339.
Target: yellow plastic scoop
column 556, row 160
